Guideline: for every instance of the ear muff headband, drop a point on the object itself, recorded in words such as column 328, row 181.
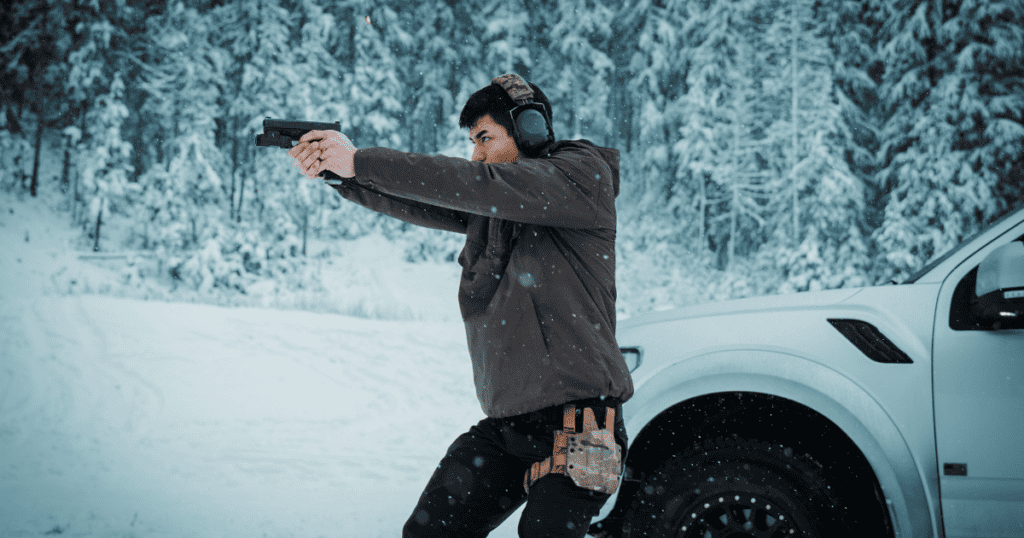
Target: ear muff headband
column 531, row 129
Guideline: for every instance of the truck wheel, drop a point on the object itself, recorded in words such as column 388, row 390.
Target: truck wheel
column 736, row 488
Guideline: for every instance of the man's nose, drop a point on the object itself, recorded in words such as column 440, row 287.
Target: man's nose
column 479, row 154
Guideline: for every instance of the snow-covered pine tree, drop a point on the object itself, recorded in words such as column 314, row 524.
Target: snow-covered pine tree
column 626, row 26
column 278, row 80
column 580, row 69
column 854, row 27
column 181, row 214
column 505, row 30
column 818, row 238
column 375, row 93
column 434, row 75
column 105, row 184
column 375, row 96
column 235, row 123
column 953, row 96
column 19, row 33
column 433, row 59
column 58, row 58
column 12, row 23
column 319, row 95
column 468, row 71
column 87, row 54
column 649, row 87
column 33, row 74
column 711, row 44
column 259, row 35
column 719, row 181
column 657, row 82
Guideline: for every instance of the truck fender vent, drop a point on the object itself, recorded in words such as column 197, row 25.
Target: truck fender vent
column 867, row 338
column 954, row 469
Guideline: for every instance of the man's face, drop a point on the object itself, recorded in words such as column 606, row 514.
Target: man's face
column 491, row 143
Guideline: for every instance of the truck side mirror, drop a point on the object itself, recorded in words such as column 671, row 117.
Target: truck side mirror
column 1000, row 287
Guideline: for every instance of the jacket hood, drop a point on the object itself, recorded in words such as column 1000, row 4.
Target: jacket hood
column 609, row 155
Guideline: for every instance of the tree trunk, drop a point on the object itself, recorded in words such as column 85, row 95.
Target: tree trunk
column 439, row 120
column 241, row 195
column 703, row 209
column 33, row 187
column 234, row 167
column 241, row 186
column 621, row 113
column 13, row 125
column 735, row 201
column 320, row 215
column 22, row 176
column 794, row 111
column 64, row 180
column 732, row 225
column 259, row 203
column 99, row 221
column 74, row 200
column 305, row 226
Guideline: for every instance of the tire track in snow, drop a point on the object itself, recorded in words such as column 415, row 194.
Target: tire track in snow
column 114, row 388
column 378, row 371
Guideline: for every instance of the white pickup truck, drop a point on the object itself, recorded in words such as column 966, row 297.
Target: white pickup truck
column 888, row 411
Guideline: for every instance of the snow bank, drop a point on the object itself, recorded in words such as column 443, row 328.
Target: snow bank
column 128, row 418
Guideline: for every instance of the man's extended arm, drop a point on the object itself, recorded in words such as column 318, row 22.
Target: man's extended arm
column 328, row 153
column 572, row 189
column 406, row 210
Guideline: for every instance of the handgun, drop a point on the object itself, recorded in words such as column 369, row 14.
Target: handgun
column 286, row 133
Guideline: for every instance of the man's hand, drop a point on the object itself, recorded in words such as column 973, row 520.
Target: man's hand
column 324, row 150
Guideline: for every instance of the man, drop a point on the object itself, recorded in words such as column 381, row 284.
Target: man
column 538, row 299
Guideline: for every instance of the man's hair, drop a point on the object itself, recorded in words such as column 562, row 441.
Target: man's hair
column 494, row 101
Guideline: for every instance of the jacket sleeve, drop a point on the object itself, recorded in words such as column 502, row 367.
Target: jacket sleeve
column 564, row 189
column 409, row 211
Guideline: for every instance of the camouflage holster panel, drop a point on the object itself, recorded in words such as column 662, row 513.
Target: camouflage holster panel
column 591, row 458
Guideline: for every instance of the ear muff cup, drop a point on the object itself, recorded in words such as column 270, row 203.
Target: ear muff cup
column 532, row 128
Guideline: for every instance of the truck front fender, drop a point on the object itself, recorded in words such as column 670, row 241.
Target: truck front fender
column 909, row 495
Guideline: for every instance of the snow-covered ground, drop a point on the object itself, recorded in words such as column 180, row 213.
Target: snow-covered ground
column 130, row 418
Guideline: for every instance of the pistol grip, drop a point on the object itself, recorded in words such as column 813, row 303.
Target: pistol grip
column 330, row 177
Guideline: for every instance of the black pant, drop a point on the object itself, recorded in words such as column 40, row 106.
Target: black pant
column 479, row 482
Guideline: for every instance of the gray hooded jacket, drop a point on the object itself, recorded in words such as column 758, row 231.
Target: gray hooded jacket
column 538, row 270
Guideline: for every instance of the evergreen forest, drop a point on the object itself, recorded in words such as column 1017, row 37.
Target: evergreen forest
column 767, row 146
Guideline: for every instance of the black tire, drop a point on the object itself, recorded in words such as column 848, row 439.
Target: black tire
column 735, row 488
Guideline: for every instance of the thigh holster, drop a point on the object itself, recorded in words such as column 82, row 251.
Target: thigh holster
column 591, row 458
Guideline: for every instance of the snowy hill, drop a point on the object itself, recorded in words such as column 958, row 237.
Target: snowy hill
column 125, row 417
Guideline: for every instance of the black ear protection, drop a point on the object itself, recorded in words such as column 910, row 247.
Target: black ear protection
column 530, row 127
